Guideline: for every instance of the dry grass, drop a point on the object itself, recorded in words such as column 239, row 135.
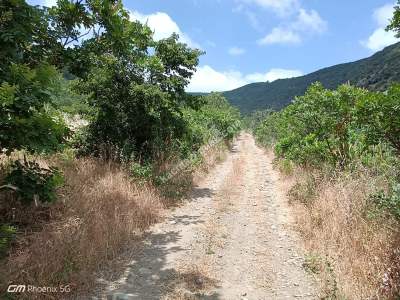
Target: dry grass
column 192, row 282
column 358, row 253
column 211, row 156
column 100, row 212
column 186, row 174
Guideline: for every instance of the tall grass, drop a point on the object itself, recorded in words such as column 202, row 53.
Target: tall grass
column 100, row 212
column 357, row 245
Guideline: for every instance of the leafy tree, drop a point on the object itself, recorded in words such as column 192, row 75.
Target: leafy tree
column 318, row 126
column 216, row 120
column 26, row 80
column 267, row 132
column 28, row 48
column 135, row 85
column 325, row 126
column 253, row 120
column 379, row 116
column 34, row 181
column 395, row 21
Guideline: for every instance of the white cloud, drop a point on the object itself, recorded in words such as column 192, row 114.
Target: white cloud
column 383, row 15
column 161, row 23
column 236, row 51
column 280, row 36
column 309, row 22
column 163, row 26
column 207, row 79
column 381, row 38
column 306, row 23
column 297, row 21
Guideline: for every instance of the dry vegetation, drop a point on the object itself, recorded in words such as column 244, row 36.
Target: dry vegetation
column 190, row 282
column 99, row 213
column 101, row 209
column 353, row 250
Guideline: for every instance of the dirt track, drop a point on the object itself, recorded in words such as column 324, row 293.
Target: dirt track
column 232, row 240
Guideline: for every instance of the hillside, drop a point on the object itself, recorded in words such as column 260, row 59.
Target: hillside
column 374, row 73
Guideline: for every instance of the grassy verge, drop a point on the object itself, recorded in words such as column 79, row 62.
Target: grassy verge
column 353, row 244
column 101, row 210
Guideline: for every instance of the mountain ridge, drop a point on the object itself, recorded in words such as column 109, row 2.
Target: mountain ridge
column 376, row 72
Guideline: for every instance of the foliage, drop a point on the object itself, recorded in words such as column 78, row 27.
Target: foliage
column 379, row 114
column 375, row 73
column 7, row 234
column 141, row 171
column 214, row 122
column 340, row 129
column 68, row 100
column 313, row 263
column 389, row 202
column 267, row 130
column 34, row 182
column 88, row 58
column 221, row 115
column 216, row 119
column 26, row 80
column 253, row 120
column 25, row 123
column 395, row 21
column 325, row 126
column 137, row 95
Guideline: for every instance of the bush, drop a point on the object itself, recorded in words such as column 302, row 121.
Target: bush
column 141, row 172
column 7, row 234
column 334, row 127
column 389, row 202
column 345, row 144
column 138, row 110
column 33, row 182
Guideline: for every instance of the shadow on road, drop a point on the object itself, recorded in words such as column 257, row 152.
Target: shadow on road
column 198, row 193
column 147, row 276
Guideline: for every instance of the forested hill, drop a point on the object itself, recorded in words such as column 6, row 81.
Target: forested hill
column 374, row 73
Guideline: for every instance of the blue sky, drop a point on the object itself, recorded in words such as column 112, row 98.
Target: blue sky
column 262, row 40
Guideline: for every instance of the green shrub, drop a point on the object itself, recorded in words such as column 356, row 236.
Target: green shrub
column 313, row 263
column 336, row 127
column 389, row 202
column 7, row 234
column 141, row 171
column 34, row 182
column 285, row 166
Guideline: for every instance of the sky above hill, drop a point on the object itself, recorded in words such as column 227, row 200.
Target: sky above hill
column 262, row 40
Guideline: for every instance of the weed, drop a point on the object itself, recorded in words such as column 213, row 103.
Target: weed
column 313, row 263
column 7, row 235
column 389, row 202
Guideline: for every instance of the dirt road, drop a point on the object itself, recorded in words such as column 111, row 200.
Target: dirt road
column 232, row 240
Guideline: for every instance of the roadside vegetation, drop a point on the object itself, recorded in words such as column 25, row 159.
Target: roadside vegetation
column 342, row 148
column 97, row 137
column 340, row 152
